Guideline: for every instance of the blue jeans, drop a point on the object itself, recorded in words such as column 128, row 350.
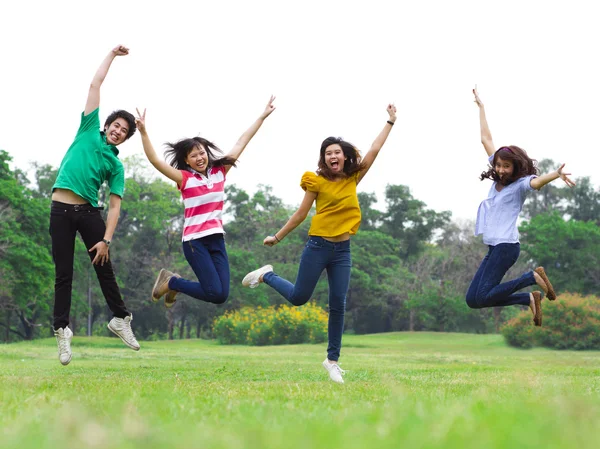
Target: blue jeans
column 208, row 258
column 318, row 255
column 487, row 291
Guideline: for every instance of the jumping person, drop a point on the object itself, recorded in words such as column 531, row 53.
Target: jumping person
column 337, row 217
column 195, row 166
column 91, row 159
column 515, row 175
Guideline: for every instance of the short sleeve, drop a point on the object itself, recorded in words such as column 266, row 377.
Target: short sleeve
column 525, row 183
column 491, row 159
column 310, row 182
column 116, row 182
column 185, row 175
column 90, row 122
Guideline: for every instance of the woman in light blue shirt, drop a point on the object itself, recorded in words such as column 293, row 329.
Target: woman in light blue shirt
column 514, row 175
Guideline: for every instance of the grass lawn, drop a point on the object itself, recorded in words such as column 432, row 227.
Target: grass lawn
column 402, row 390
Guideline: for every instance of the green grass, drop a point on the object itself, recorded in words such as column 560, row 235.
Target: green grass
column 402, row 390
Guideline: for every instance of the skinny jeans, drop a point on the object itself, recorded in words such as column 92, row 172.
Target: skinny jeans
column 487, row 291
column 208, row 258
column 318, row 255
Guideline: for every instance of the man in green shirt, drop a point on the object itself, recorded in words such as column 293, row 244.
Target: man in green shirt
column 91, row 159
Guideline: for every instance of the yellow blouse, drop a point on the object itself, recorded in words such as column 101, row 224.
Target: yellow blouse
column 338, row 210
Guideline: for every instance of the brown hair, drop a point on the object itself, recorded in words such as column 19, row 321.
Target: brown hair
column 523, row 165
column 353, row 160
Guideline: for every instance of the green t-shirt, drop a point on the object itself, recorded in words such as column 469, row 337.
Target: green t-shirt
column 89, row 162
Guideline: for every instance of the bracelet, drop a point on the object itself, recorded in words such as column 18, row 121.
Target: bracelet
column 278, row 241
column 390, row 122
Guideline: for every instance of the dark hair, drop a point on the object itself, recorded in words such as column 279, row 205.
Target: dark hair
column 353, row 160
column 523, row 165
column 178, row 152
column 129, row 118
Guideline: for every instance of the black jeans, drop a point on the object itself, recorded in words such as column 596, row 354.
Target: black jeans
column 65, row 221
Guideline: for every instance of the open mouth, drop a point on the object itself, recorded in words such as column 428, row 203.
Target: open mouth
column 334, row 165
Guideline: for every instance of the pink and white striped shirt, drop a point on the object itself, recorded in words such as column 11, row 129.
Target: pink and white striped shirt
column 203, row 200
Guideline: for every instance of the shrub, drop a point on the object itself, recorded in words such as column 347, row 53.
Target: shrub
column 272, row 325
column 571, row 322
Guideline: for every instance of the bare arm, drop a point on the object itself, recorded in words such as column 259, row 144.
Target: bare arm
column 93, row 99
column 240, row 145
column 378, row 142
column 541, row 181
column 486, row 134
column 298, row 217
column 170, row 172
column 101, row 248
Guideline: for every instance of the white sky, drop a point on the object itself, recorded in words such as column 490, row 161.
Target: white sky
column 208, row 68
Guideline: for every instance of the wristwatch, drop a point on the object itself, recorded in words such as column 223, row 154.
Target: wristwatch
column 106, row 241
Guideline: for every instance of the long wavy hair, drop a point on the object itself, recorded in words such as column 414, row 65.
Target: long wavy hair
column 177, row 153
column 353, row 160
column 523, row 165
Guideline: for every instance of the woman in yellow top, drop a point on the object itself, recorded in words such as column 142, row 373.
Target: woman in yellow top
column 333, row 186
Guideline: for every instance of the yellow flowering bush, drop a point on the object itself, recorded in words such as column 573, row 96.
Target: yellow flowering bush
column 275, row 325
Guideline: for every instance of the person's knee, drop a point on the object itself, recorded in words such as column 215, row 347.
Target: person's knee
column 337, row 307
column 299, row 300
column 219, row 298
column 472, row 302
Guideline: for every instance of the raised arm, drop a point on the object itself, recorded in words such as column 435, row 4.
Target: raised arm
column 541, row 181
column 486, row 134
column 240, row 145
column 298, row 217
column 378, row 142
column 93, row 99
column 170, row 172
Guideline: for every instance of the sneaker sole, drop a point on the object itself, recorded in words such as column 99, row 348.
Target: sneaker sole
column 246, row 282
column 154, row 298
column 122, row 339
column 67, row 362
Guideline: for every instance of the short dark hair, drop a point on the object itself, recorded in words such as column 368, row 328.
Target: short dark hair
column 523, row 165
column 177, row 153
column 352, row 164
column 128, row 117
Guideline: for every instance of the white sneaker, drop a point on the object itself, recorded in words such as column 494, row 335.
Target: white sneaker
column 122, row 328
column 335, row 372
column 252, row 279
column 63, row 338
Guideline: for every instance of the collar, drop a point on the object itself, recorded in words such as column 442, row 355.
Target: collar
column 113, row 148
column 209, row 182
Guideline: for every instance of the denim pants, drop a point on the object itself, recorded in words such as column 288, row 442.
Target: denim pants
column 318, row 255
column 487, row 291
column 65, row 221
column 208, row 258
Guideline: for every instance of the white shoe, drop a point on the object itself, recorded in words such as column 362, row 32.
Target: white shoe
column 63, row 338
column 122, row 328
column 252, row 279
column 335, row 372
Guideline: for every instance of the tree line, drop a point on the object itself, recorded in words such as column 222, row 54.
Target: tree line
column 411, row 265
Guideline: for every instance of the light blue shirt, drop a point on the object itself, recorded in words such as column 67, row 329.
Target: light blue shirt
column 498, row 213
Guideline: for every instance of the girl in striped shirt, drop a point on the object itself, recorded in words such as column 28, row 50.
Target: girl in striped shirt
column 200, row 174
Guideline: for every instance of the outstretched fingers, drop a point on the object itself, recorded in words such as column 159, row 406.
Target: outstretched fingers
column 140, row 120
column 565, row 176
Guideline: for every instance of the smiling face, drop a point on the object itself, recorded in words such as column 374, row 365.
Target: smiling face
column 198, row 159
column 334, row 158
column 505, row 169
column 116, row 133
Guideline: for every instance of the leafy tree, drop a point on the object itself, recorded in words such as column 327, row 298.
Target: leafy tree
column 569, row 250
column 408, row 220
